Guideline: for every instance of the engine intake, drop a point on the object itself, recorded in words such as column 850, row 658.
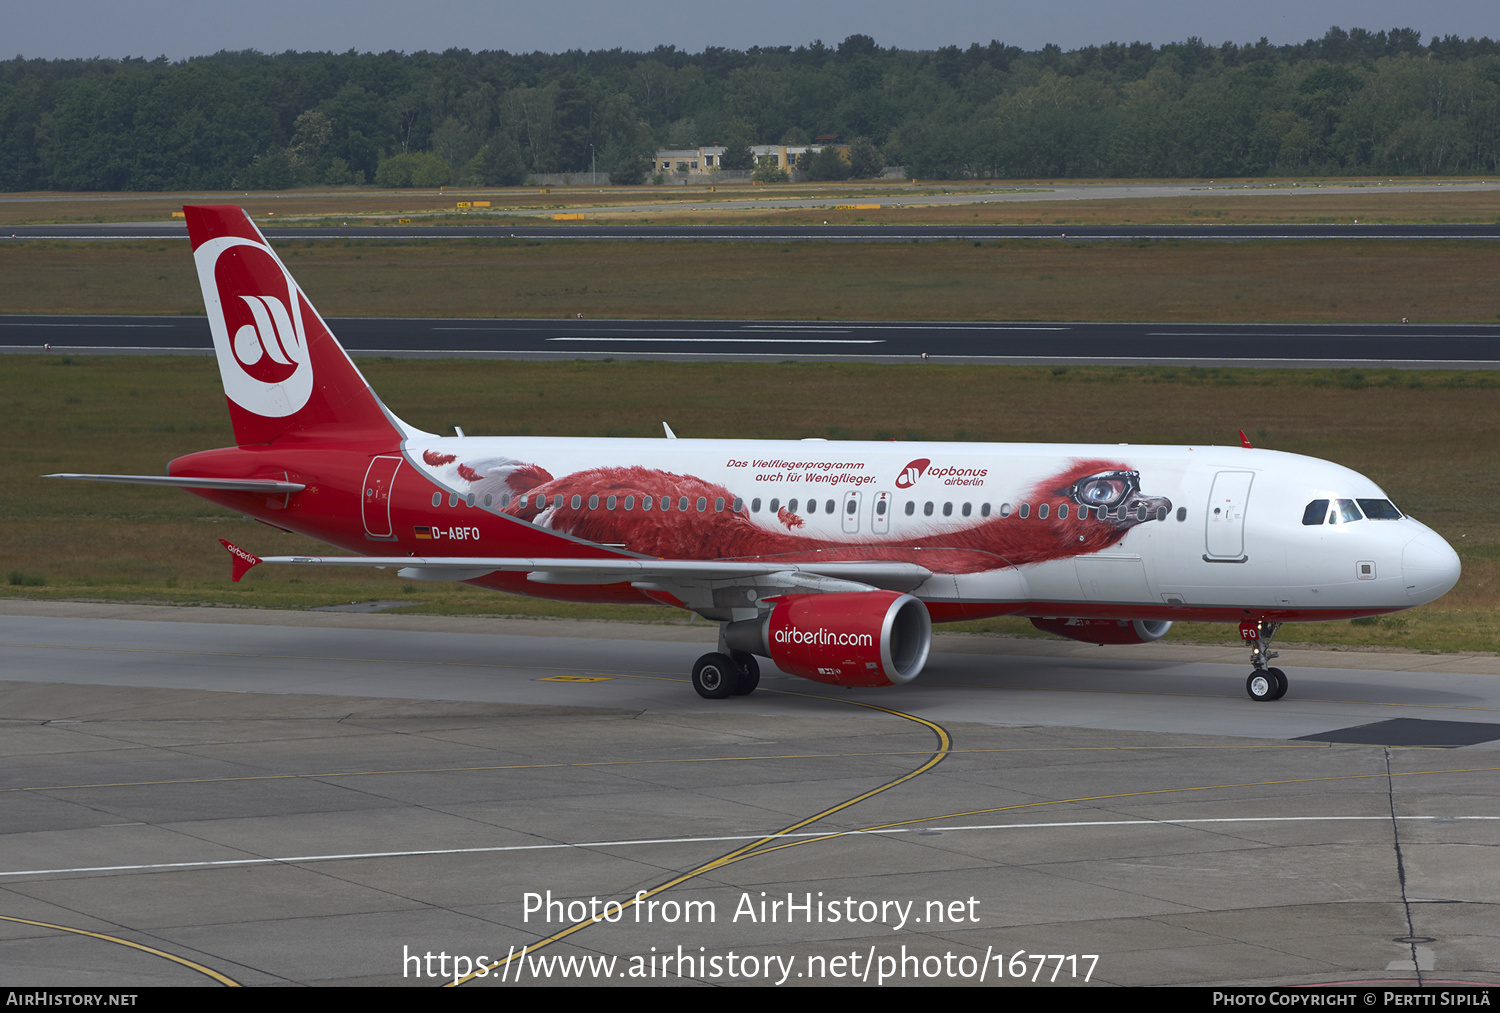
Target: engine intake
column 861, row 638
column 1106, row 631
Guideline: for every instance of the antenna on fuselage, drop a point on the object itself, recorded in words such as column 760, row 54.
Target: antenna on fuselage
column 670, row 435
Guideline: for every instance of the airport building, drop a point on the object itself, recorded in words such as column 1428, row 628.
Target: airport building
column 689, row 162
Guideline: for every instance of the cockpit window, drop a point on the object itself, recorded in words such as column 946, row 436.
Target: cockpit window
column 1314, row 512
column 1380, row 510
column 1348, row 511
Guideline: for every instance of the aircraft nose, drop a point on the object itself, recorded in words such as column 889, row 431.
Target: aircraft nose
column 1429, row 567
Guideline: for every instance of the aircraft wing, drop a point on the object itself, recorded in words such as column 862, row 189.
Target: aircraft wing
column 830, row 576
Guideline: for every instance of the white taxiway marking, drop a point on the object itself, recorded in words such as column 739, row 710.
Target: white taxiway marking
column 738, row 837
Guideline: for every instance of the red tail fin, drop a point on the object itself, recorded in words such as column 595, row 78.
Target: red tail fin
column 284, row 373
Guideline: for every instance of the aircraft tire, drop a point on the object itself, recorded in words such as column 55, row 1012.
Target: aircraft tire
column 1262, row 686
column 1281, row 682
column 749, row 674
column 714, row 676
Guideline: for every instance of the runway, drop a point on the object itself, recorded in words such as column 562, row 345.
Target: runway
column 277, row 798
column 834, row 233
column 1457, row 346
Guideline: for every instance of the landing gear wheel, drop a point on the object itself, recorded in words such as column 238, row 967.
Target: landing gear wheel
column 714, row 676
column 1281, row 682
column 1261, row 686
column 749, row 673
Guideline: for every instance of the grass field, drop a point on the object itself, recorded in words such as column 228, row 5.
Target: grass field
column 1335, row 281
column 1268, row 201
column 1429, row 438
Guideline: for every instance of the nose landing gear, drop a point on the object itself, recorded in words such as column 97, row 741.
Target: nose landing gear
column 1265, row 684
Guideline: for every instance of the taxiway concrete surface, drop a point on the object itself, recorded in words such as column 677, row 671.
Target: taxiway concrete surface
column 195, row 795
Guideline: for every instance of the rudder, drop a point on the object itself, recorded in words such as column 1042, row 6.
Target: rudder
column 284, row 373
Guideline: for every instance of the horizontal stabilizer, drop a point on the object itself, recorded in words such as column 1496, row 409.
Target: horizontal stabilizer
column 186, row 482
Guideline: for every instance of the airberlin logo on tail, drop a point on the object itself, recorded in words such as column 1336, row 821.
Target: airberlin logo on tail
column 911, row 473
column 257, row 316
column 269, row 342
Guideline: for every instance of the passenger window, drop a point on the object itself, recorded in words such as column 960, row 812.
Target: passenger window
column 453, row 499
column 1062, row 511
column 1025, row 511
column 775, row 506
column 947, row 509
column 437, row 499
column 984, row 510
column 879, row 507
column 647, row 502
column 610, row 503
column 629, row 502
column 927, row 510
column 702, row 503
column 792, row 506
column 593, row 502
column 755, row 505
column 1041, row 511
column 828, row 507
column 489, row 500
column 681, row 504
column 1313, row 515
column 578, row 501
column 504, row 500
column 719, row 504
column 911, row 507
column 1004, row 510
column 1181, row 514
column 469, row 499
column 812, row 506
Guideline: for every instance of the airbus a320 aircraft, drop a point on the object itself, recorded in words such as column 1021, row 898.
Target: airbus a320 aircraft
column 831, row 559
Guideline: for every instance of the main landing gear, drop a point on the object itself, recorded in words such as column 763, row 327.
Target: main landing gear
column 717, row 676
column 1265, row 684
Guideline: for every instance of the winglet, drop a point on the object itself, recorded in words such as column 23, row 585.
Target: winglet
column 1245, row 441
column 670, row 435
column 239, row 559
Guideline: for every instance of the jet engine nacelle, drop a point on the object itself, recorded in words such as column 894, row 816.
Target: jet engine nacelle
column 1106, row 631
column 860, row 638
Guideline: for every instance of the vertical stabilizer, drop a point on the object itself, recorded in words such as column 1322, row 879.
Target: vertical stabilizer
column 284, row 374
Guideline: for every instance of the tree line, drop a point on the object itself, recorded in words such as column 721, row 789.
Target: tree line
column 1352, row 102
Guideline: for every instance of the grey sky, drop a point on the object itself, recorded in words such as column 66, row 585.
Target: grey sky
column 181, row 28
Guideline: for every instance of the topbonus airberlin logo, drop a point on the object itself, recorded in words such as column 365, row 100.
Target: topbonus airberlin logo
column 255, row 315
column 911, row 473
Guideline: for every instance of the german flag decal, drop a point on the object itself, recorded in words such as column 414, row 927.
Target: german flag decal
column 422, row 531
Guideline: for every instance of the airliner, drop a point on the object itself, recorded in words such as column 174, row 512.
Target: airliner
column 830, row 559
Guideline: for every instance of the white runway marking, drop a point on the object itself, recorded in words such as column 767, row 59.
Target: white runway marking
column 749, row 340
